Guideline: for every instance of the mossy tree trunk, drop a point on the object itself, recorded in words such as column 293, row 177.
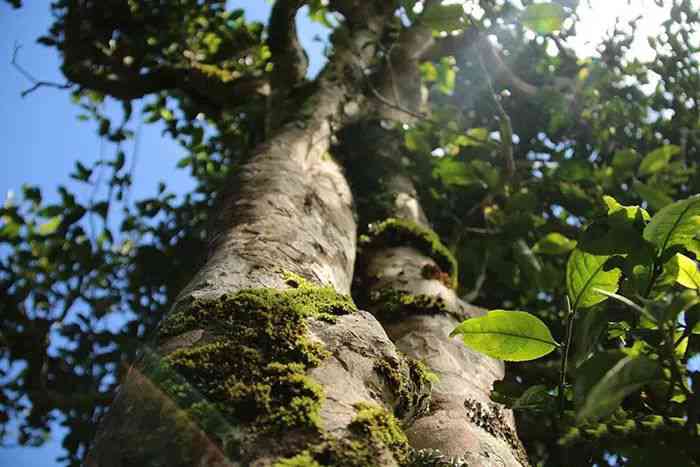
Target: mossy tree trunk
column 264, row 358
column 407, row 278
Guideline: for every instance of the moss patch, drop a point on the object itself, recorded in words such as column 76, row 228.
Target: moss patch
column 375, row 437
column 251, row 368
column 411, row 382
column 391, row 304
column 401, row 232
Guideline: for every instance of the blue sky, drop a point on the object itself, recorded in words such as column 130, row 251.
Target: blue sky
column 42, row 138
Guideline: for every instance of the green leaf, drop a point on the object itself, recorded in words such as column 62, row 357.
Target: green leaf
column 428, row 72
column 633, row 213
column 513, row 336
column 574, row 170
column 592, row 371
column 9, row 228
column 624, row 161
column 656, row 198
column 31, row 193
column 554, row 243
column 446, row 75
column 544, row 18
column 118, row 162
column 101, row 208
column 184, row 162
column 584, row 272
column 82, row 173
column 658, row 159
column 684, row 271
column 677, row 224
column 474, row 137
column 51, row 226
column 454, row 172
column 443, row 17
column 587, row 333
column 535, row 398
column 625, row 377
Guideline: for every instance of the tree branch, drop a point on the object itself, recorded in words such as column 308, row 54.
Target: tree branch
column 36, row 82
column 288, row 56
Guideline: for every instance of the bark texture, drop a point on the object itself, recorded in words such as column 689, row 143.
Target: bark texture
column 263, row 366
column 264, row 359
column 412, row 293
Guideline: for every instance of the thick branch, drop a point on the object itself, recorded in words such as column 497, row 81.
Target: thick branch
column 288, row 209
column 411, row 294
column 288, row 56
column 457, row 45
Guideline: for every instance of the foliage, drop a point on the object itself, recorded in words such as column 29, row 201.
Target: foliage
column 601, row 208
column 508, row 335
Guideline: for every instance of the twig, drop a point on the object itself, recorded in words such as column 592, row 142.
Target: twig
column 397, row 106
column 571, row 316
column 37, row 83
column 506, row 126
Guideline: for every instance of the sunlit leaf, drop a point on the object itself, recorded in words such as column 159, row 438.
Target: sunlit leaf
column 51, row 226
column 658, row 159
column 554, row 243
column 677, row 224
column 632, row 213
column 507, row 335
column 585, row 272
column 684, row 271
column 544, row 18
column 454, row 172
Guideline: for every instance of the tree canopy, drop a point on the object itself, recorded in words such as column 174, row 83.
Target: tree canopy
column 565, row 187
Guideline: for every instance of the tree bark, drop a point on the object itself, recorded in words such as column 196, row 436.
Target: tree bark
column 413, row 295
column 264, row 359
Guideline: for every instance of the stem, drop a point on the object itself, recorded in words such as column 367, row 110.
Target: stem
column 570, row 318
column 673, row 363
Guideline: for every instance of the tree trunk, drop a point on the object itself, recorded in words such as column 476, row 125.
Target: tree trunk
column 264, row 359
column 409, row 279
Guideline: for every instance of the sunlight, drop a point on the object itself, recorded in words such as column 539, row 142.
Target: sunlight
column 598, row 18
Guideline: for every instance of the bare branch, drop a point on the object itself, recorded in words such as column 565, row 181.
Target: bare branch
column 288, row 56
column 492, row 58
column 506, row 127
column 36, row 82
column 396, row 105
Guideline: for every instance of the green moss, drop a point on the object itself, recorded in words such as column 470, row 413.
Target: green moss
column 304, row 459
column 381, row 428
column 392, row 304
column 251, row 368
column 411, row 383
column 375, row 434
column 401, row 232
